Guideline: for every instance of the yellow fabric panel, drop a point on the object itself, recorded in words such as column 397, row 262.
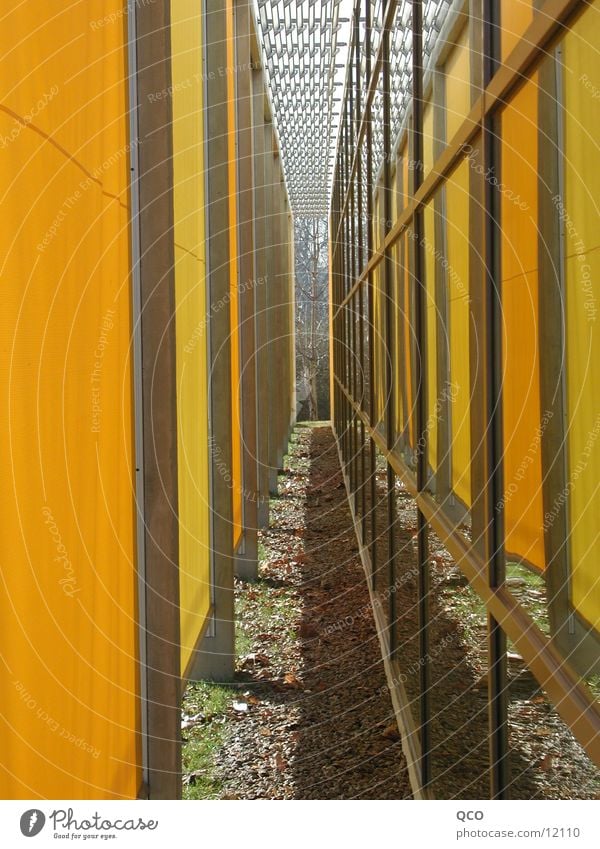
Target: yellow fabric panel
column 190, row 297
column 582, row 249
column 458, row 84
column 521, row 357
column 428, row 145
column 236, row 448
column 429, row 249
column 69, row 695
column 515, row 17
column 457, row 274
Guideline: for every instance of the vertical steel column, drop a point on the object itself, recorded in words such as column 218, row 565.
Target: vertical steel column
column 260, row 296
column 215, row 659
column 360, row 257
column 153, row 191
column 291, row 287
column 369, row 189
column 336, row 307
column 333, row 305
column 477, row 314
column 247, row 563
column 389, row 304
column 421, row 397
column 346, row 309
column 342, row 315
column 352, row 229
column 494, row 530
column 271, row 301
column 333, row 302
column 136, row 302
column 277, row 308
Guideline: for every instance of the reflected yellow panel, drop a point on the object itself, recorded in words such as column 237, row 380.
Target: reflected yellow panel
column 522, row 419
column 69, row 695
column 191, row 324
column 458, row 84
column 582, row 249
column 457, row 278
column 432, row 412
column 515, row 17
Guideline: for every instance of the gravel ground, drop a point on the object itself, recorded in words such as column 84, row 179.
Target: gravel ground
column 319, row 722
column 310, row 716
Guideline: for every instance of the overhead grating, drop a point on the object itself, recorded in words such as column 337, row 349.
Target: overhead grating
column 302, row 47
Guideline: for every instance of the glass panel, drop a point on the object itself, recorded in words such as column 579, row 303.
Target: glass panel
column 408, row 354
column 579, row 217
column 458, row 88
column 515, row 17
column 522, row 416
column 550, row 269
column 457, row 282
column 458, row 670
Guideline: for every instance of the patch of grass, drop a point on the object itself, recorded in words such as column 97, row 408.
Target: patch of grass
column 529, row 589
column 322, row 423
column 463, row 603
column 533, row 597
column 258, row 603
column 531, row 578
column 265, row 605
column 243, row 643
column 265, row 553
column 298, row 465
column 205, row 739
column 593, row 682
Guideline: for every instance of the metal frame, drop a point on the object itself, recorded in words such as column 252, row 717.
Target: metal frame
column 136, row 303
column 214, row 657
column 366, row 119
column 158, row 428
column 300, row 47
column 246, row 563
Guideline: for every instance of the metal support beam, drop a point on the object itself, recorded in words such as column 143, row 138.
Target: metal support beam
column 215, row 658
column 157, row 391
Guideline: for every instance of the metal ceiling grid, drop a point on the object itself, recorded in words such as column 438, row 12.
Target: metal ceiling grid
column 300, row 43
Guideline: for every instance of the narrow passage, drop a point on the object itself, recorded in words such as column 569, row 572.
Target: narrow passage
column 309, row 715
